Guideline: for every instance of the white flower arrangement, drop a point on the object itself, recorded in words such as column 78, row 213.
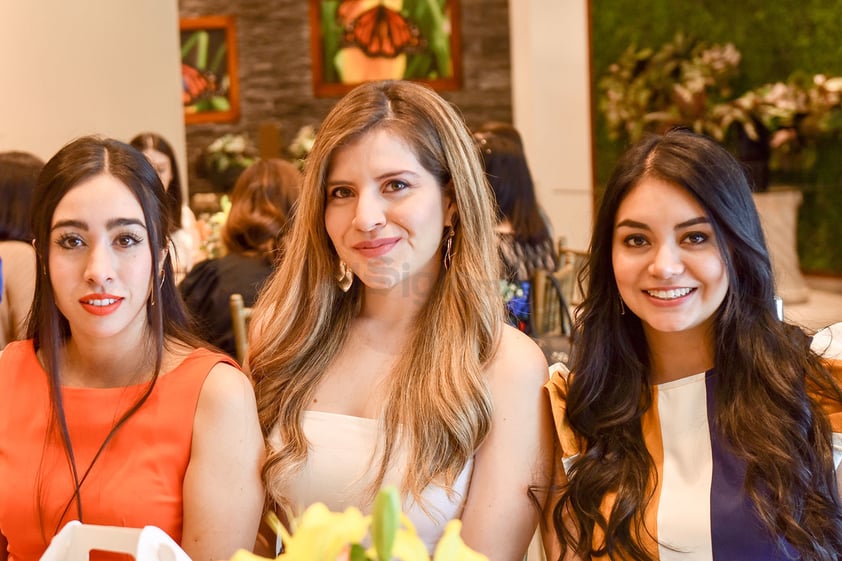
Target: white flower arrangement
column 302, row 144
column 229, row 150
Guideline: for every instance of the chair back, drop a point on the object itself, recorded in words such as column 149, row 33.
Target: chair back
column 553, row 298
column 549, row 308
column 240, row 316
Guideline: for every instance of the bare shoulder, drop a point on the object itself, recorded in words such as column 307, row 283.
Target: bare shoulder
column 227, row 406
column 518, row 362
column 226, row 386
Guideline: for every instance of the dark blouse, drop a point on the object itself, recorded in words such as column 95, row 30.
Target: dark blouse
column 208, row 286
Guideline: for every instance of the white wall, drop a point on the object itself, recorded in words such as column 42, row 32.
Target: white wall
column 551, row 93
column 68, row 69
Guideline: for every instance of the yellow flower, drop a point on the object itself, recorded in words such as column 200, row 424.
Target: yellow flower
column 408, row 546
column 243, row 555
column 323, row 535
column 452, row 548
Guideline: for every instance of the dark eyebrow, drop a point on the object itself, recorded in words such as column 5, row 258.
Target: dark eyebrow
column 111, row 224
column 392, row 174
column 680, row 226
column 381, row 177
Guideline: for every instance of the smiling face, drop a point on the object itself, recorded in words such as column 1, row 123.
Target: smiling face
column 100, row 264
column 667, row 263
column 385, row 213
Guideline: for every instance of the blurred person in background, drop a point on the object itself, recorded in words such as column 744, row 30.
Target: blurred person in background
column 261, row 204
column 18, row 174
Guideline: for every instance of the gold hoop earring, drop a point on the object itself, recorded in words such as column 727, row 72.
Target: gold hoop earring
column 448, row 248
column 344, row 277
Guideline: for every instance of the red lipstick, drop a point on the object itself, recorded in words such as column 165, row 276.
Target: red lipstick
column 100, row 304
column 376, row 248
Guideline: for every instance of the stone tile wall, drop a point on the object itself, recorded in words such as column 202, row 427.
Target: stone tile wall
column 273, row 42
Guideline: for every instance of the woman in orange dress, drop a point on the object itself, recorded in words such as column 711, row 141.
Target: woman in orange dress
column 112, row 414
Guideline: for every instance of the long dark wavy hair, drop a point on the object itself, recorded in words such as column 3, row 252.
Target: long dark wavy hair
column 77, row 162
column 762, row 406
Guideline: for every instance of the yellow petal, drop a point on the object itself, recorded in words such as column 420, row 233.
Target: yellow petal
column 243, row 555
column 452, row 548
column 409, row 547
column 322, row 534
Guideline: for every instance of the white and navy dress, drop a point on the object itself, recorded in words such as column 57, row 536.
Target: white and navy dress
column 699, row 511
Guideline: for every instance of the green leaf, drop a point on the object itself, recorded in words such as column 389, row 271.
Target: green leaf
column 357, row 553
column 385, row 521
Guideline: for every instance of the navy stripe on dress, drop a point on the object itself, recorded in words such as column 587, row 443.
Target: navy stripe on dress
column 736, row 530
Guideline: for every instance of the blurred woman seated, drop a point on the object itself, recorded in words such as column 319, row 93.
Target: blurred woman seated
column 261, row 203
column 18, row 174
column 524, row 236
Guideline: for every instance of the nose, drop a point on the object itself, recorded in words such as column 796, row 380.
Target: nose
column 99, row 269
column 667, row 262
column 370, row 212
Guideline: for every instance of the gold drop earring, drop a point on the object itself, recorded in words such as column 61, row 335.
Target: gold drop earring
column 345, row 276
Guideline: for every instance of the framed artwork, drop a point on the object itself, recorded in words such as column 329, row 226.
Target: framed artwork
column 354, row 41
column 210, row 88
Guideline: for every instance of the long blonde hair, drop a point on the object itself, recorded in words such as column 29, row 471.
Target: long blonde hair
column 438, row 403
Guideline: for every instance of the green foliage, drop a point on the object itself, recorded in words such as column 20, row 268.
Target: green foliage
column 776, row 39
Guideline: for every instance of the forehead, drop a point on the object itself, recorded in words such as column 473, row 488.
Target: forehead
column 378, row 146
column 656, row 200
column 102, row 196
column 156, row 157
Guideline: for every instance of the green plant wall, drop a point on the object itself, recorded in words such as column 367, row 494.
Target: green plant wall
column 776, row 38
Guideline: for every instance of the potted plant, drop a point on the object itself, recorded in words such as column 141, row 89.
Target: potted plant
column 687, row 82
column 683, row 82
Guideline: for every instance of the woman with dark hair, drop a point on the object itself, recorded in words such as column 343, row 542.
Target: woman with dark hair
column 184, row 234
column 695, row 424
column 261, row 203
column 113, row 414
column 18, row 173
column 525, row 242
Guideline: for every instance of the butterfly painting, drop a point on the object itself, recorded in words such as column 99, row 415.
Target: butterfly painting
column 379, row 31
column 359, row 40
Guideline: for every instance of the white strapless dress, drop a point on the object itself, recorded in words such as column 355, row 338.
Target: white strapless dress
column 339, row 471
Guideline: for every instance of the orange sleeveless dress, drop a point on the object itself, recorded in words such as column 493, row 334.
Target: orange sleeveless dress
column 137, row 479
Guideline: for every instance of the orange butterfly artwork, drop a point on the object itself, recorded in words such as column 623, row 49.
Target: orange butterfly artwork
column 380, row 31
column 354, row 41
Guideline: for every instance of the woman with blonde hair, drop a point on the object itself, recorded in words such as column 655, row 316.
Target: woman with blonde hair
column 378, row 347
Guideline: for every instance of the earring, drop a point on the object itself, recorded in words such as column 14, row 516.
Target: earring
column 345, row 276
column 160, row 285
column 448, row 248
column 622, row 306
